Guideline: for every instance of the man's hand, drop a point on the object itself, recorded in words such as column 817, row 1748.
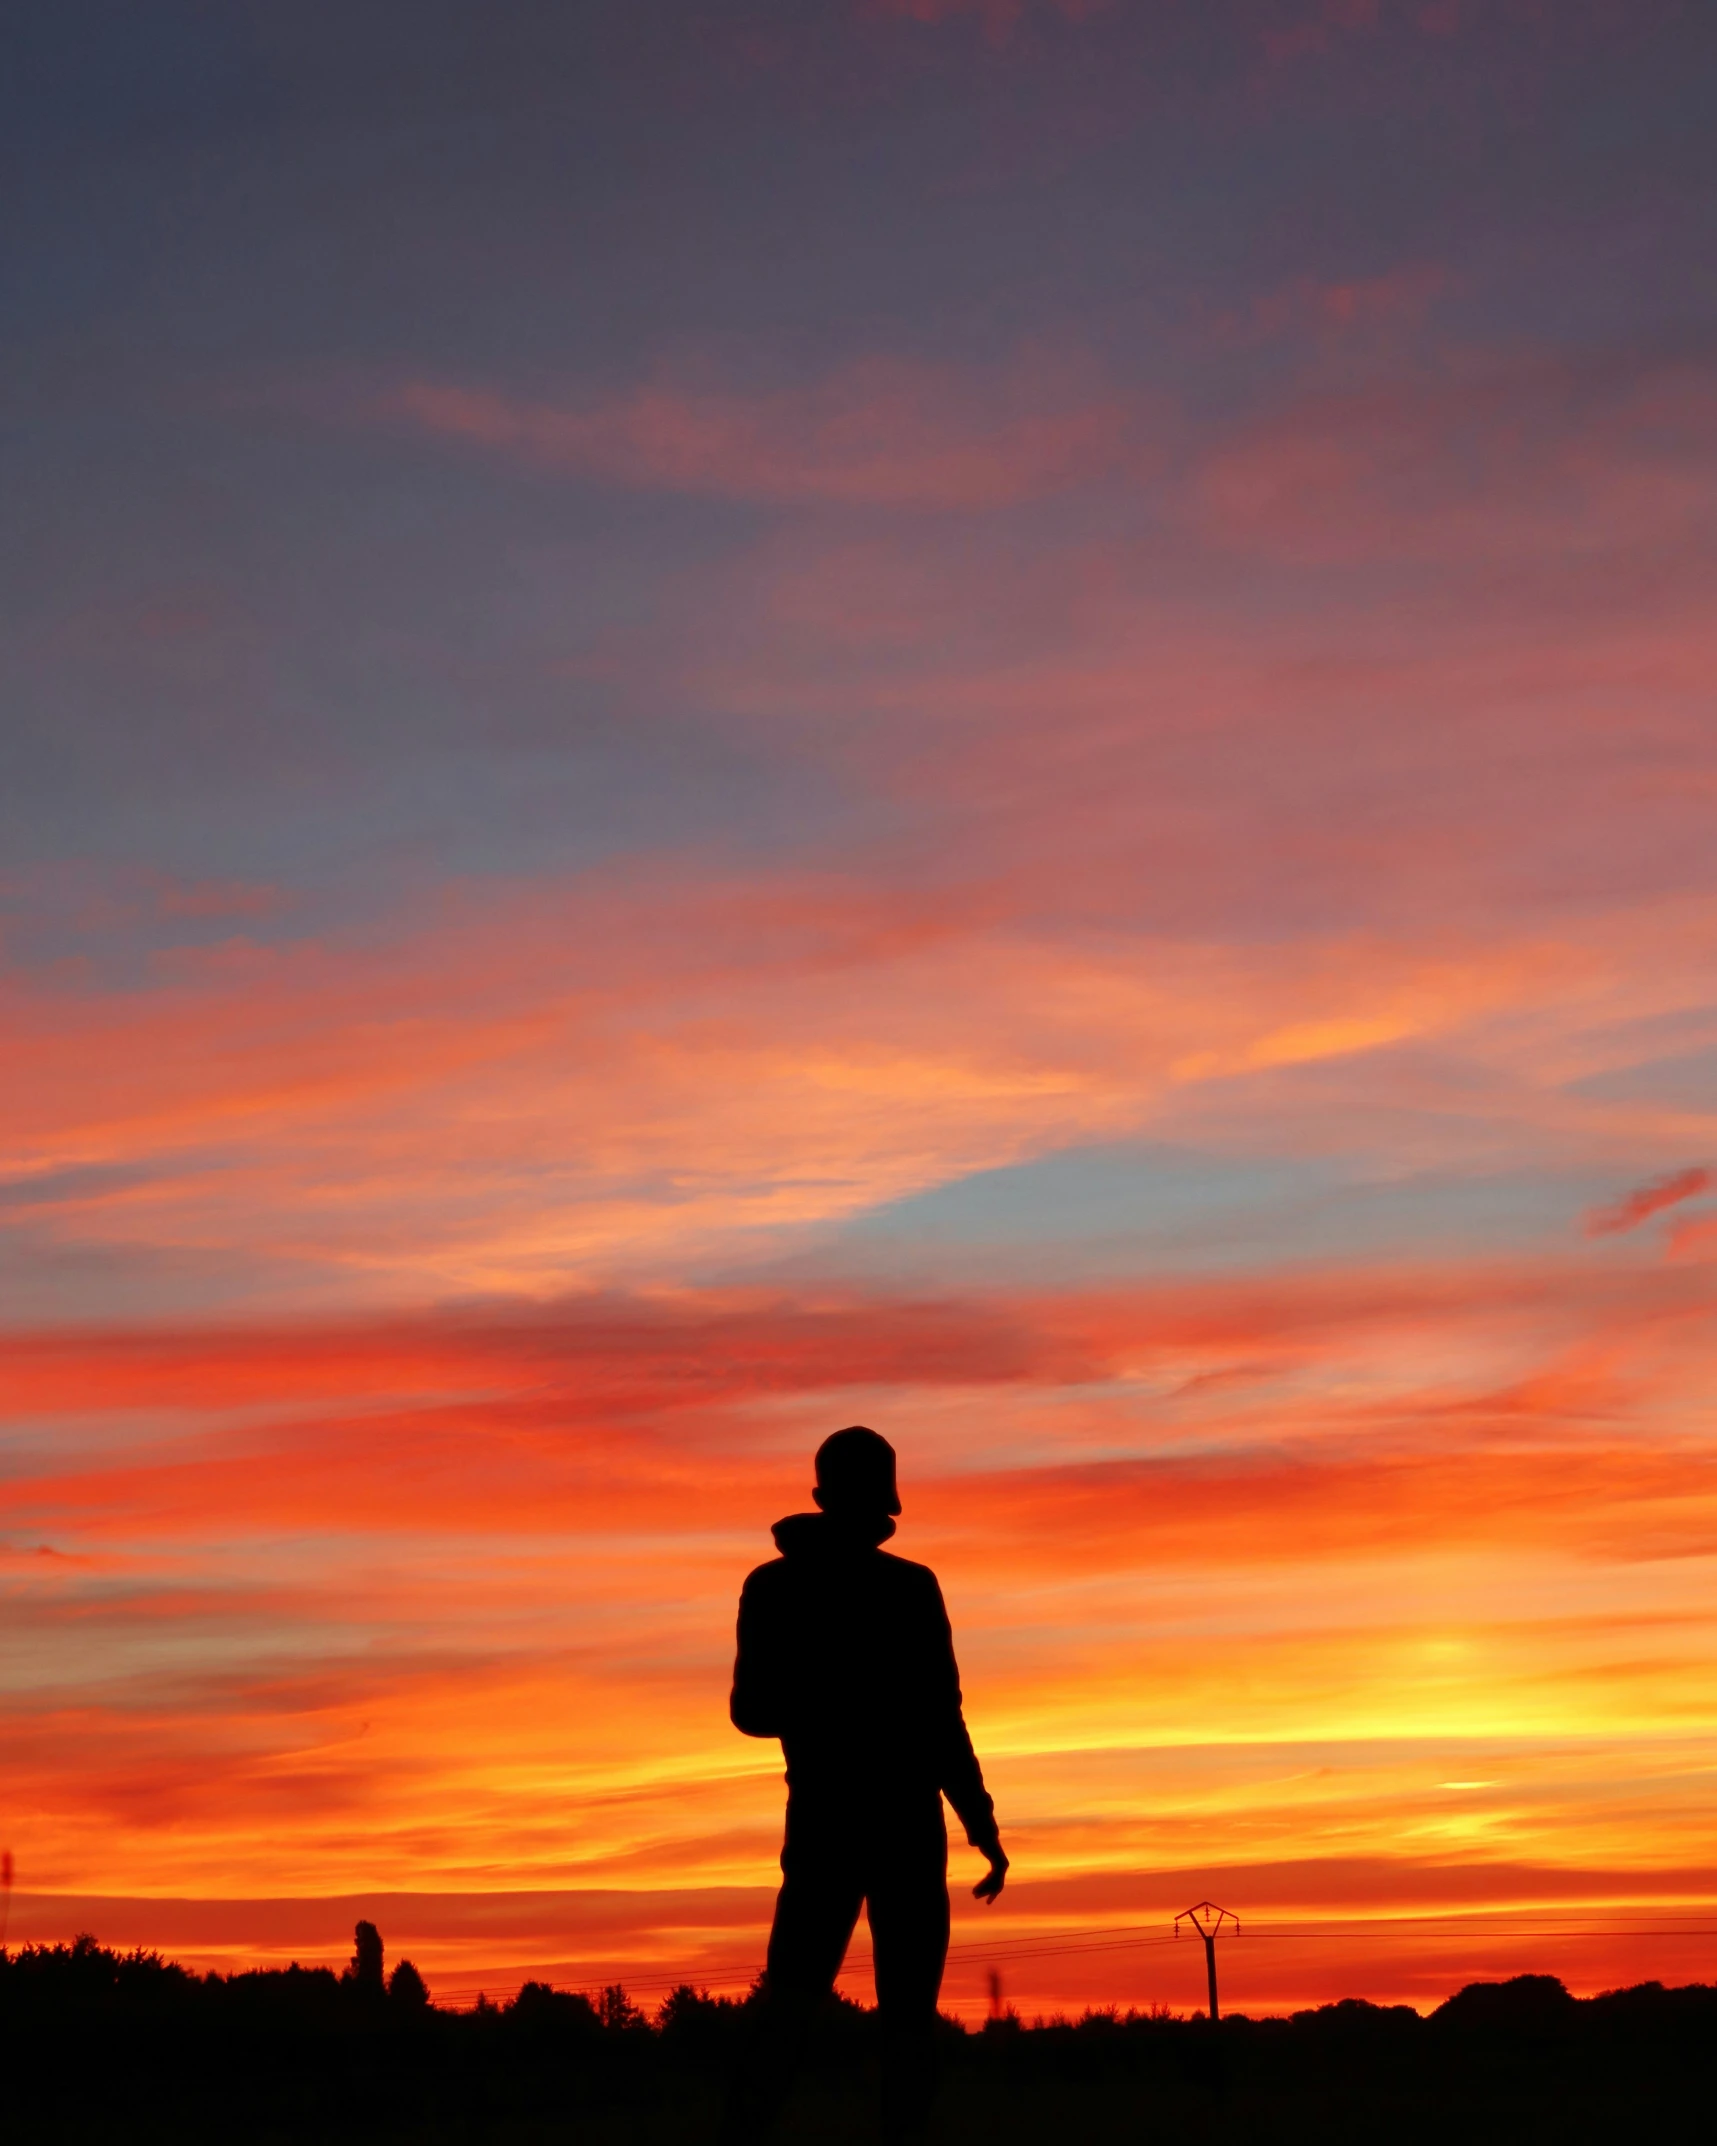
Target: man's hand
column 987, row 1888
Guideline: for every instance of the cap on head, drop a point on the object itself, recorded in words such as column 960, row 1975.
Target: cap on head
column 855, row 1473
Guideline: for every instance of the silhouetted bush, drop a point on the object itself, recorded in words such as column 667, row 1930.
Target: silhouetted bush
column 1529, row 2004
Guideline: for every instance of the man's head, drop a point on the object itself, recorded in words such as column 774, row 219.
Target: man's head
column 855, row 1475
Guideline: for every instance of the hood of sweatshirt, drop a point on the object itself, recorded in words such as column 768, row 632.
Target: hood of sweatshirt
column 819, row 1535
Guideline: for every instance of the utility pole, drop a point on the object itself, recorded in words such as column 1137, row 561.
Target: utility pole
column 1208, row 1920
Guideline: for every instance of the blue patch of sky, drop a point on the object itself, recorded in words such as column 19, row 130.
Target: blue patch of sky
column 1090, row 1212
column 77, row 1181
column 241, row 651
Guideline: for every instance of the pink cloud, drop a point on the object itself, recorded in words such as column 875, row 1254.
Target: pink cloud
column 879, row 433
column 1533, row 462
column 1647, row 1200
column 1398, row 298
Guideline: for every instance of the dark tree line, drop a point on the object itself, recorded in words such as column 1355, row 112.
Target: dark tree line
column 96, row 2043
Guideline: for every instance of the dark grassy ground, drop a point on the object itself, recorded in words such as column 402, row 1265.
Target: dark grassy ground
column 94, row 2046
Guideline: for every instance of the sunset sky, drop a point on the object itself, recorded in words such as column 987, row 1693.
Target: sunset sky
column 725, row 716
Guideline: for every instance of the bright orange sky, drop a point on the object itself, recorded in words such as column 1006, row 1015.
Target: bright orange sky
column 1059, row 802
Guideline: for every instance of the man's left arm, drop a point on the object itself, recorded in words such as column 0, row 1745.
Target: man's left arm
column 962, row 1778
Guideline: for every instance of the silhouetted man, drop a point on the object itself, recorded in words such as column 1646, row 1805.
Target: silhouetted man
column 845, row 1654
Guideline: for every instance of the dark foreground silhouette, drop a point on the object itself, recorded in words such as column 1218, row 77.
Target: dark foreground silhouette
column 96, row 2046
column 845, row 1654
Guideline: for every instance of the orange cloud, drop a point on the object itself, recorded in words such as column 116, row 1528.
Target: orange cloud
column 405, row 1601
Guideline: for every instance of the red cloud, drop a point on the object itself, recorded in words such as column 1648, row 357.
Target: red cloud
column 1647, row 1200
column 623, row 1415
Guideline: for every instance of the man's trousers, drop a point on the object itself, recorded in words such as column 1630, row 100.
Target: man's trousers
column 892, row 1862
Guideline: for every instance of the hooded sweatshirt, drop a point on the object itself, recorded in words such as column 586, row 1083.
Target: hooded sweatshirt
column 845, row 1654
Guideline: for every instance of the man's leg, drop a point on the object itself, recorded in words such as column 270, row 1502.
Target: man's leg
column 815, row 1912
column 908, row 1909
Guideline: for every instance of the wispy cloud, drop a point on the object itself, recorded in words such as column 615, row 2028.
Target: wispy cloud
column 1475, row 469
column 509, row 1097
column 1647, row 1200
column 881, row 433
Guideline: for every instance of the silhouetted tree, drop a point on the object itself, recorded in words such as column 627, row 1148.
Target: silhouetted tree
column 541, row 2005
column 694, row 2025
column 685, row 2006
column 407, row 1987
column 365, row 1970
column 617, row 2011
